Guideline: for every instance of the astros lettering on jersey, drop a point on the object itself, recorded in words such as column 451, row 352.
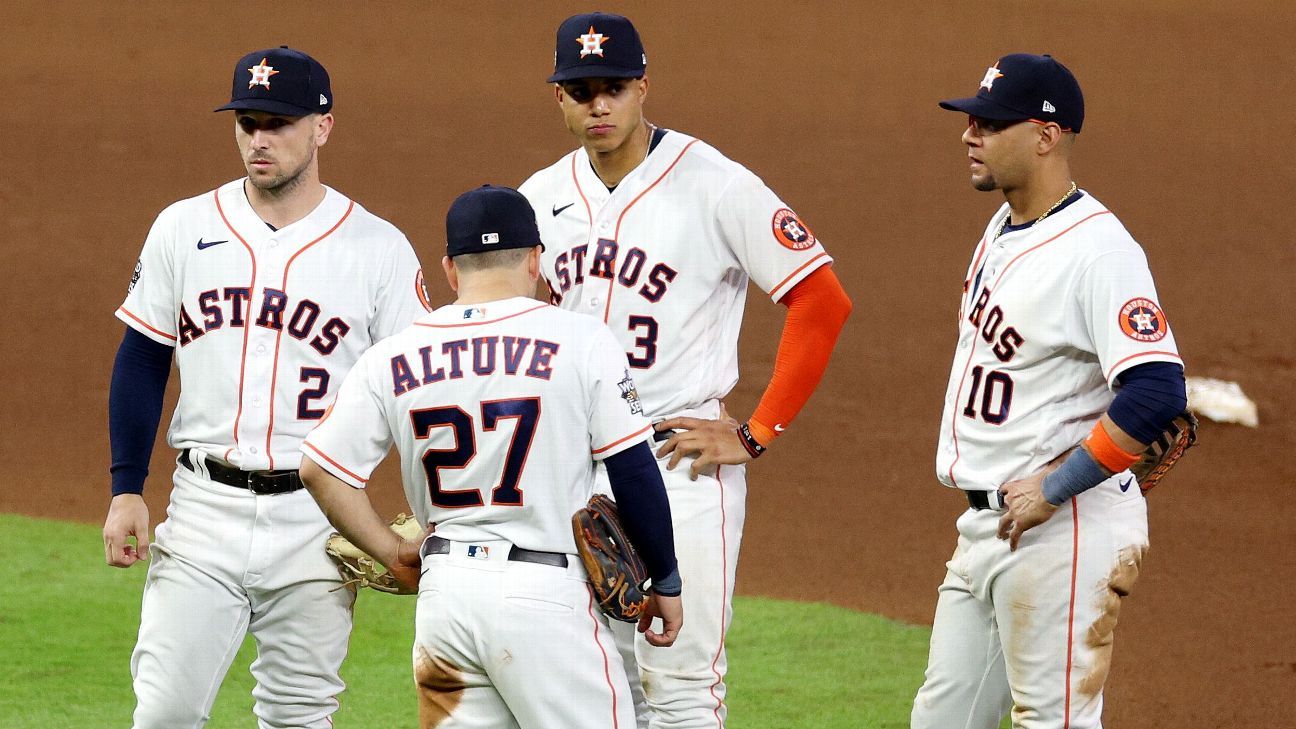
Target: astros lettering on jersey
column 267, row 321
column 1040, row 305
column 665, row 258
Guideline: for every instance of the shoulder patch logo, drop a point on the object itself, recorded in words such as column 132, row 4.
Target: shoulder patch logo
column 1142, row 320
column 420, row 289
column 592, row 43
column 261, row 74
column 630, row 394
column 791, row 232
column 992, row 73
column 135, row 277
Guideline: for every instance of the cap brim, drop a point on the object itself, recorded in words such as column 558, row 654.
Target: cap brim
column 270, row 106
column 594, row 71
column 984, row 108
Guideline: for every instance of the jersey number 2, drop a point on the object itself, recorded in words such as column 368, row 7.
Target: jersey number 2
column 525, row 410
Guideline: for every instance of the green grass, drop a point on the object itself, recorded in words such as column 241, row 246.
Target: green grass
column 69, row 621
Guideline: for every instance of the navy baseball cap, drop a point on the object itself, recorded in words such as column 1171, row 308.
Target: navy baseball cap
column 598, row 45
column 280, row 81
column 490, row 218
column 1024, row 86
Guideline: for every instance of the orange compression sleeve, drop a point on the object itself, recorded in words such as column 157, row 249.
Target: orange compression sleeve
column 817, row 310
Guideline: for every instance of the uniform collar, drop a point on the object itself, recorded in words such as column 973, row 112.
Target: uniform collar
column 464, row 315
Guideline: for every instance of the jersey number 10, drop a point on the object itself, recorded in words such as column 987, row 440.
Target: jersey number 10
column 998, row 387
column 525, row 410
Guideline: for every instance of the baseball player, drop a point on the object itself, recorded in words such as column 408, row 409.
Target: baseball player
column 657, row 234
column 499, row 406
column 1058, row 313
column 267, row 290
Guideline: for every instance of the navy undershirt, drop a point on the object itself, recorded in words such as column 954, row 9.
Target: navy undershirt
column 645, row 513
column 135, row 394
column 1151, row 395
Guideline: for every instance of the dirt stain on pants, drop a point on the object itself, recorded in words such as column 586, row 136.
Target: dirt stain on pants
column 440, row 687
column 1100, row 635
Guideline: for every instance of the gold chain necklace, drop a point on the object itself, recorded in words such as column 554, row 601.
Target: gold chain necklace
column 1004, row 223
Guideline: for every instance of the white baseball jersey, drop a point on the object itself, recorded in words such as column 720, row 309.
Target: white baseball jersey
column 664, row 260
column 1051, row 315
column 499, row 411
column 266, row 322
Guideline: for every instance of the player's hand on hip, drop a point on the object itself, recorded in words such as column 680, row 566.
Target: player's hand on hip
column 671, row 612
column 1027, row 507
column 127, row 517
column 710, row 442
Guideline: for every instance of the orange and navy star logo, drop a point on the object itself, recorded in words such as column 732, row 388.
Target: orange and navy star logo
column 592, row 43
column 261, row 74
column 1142, row 320
column 791, row 232
column 992, row 73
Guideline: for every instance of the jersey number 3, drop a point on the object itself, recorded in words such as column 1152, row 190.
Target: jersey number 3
column 507, row 493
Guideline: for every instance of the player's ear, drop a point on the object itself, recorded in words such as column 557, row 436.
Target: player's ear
column 451, row 273
column 643, row 89
column 1050, row 136
column 323, row 127
column 558, row 93
column 533, row 263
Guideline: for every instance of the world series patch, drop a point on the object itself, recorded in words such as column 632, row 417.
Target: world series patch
column 791, row 232
column 1143, row 320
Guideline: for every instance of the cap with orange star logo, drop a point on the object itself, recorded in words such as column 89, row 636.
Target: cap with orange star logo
column 598, row 45
column 280, row 81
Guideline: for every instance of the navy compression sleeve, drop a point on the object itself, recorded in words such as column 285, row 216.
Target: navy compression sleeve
column 645, row 513
column 139, row 380
column 1151, row 395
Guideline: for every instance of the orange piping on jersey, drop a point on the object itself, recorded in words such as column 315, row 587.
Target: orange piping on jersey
column 477, row 323
column 792, row 275
column 247, row 326
column 976, row 263
column 1075, row 564
column 615, row 443
column 589, row 213
column 958, row 398
column 724, row 599
column 274, row 372
column 1149, row 353
column 607, row 672
column 607, row 306
column 145, row 324
column 334, row 463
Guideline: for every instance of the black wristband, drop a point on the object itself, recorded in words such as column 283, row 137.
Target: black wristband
column 753, row 446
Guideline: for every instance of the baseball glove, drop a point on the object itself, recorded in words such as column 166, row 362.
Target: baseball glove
column 1162, row 454
column 358, row 568
column 615, row 571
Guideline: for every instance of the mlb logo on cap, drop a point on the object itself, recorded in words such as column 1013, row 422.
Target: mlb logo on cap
column 598, row 45
column 490, row 218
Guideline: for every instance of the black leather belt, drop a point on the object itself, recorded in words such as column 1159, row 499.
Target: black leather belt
column 982, row 500
column 258, row 482
column 441, row 545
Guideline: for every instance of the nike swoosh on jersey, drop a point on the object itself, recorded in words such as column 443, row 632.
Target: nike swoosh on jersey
column 1126, row 484
column 209, row 243
column 558, row 210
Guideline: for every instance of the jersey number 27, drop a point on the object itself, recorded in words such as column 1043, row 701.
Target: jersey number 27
column 527, row 413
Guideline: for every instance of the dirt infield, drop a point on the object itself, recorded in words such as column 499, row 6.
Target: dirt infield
column 1187, row 138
